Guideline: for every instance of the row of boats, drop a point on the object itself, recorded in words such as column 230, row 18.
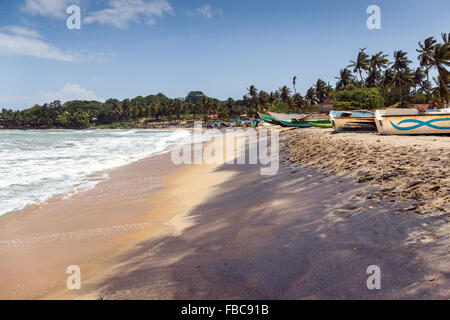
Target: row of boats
column 388, row 121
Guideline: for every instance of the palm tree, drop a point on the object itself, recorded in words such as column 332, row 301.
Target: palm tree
column 388, row 77
column 362, row 63
column 263, row 98
column 425, row 52
column 298, row 101
column 437, row 94
column 253, row 93
column 418, row 78
column 345, row 78
column 372, row 78
column 274, row 96
column 294, row 82
column 440, row 59
column 321, row 91
column 425, row 86
column 445, row 37
column 116, row 108
column 311, row 96
column 378, row 62
column 285, row 94
column 400, row 68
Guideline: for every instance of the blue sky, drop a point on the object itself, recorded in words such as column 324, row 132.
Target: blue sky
column 127, row 48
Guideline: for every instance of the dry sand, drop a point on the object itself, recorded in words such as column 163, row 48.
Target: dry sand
column 413, row 168
column 226, row 232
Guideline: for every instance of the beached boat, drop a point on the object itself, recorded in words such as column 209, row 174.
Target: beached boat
column 411, row 121
column 297, row 124
column 288, row 116
column 306, row 123
column 321, row 124
column 352, row 120
column 268, row 119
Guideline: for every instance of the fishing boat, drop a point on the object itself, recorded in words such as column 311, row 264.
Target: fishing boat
column 296, row 120
column 295, row 124
column 268, row 119
column 411, row 121
column 321, row 124
column 353, row 120
column 306, row 123
column 287, row 116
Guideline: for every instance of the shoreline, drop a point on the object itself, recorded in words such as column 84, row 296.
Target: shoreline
column 87, row 178
column 106, row 213
column 113, row 208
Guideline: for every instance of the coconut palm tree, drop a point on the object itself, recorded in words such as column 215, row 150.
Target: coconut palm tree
column 321, row 91
column 378, row 62
column 437, row 94
column 263, row 98
column 274, row 96
column 311, row 96
column 294, row 82
column 400, row 69
column 388, row 77
column 440, row 59
column 345, row 78
column 298, row 101
column 372, row 78
column 445, row 37
column 418, row 78
column 285, row 94
column 253, row 93
column 362, row 63
column 425, row 52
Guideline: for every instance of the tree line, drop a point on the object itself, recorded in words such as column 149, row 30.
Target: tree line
column 368, row 82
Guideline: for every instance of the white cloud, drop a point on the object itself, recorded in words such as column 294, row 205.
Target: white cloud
column 206, row 11
column 26, row 42
column 25, row 46
column 21, row 31
column 121, row 12
column 46, row 8
column 67, row 93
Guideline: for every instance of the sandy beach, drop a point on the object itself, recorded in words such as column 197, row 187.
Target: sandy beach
column 339, row 204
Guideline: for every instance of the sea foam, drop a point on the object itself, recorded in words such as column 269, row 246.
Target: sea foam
column 38, row 165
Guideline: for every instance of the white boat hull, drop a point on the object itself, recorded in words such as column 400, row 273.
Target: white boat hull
column 352, row 120
column 433, row 122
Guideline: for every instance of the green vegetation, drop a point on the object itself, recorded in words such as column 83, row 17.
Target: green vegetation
column 358, row 98
column 372, row 82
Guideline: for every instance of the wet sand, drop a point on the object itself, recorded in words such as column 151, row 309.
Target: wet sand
column 38, row 244
column 226, row 232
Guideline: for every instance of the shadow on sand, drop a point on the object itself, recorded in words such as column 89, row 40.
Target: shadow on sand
column 301, row 234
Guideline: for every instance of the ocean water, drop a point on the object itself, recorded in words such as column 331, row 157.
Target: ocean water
column 38, row 165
